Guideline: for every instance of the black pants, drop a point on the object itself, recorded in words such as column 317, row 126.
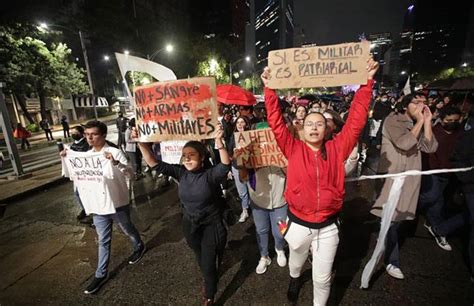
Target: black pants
column 25, row 143
column 136, row 159
column 66, row 132
column 208, row 243
column 48, row 134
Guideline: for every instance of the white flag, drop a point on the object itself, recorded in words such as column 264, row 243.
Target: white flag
column 133, row 63
column 407, row 89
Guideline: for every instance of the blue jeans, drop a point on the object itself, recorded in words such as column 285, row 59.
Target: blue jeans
column 392, row 251
column 242, row 189
column 264, row 219
column 470, row 206
column 103, row 227
column 432, row 202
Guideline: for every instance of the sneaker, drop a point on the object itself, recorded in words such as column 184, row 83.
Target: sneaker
column 394, row 272
column 281, row 258
column 137, row 255
column 243, row 216
column 440, row 240
column 81, row 215
column 208, row 302
column 262, row 265
column 96, row 283
column 293, row 289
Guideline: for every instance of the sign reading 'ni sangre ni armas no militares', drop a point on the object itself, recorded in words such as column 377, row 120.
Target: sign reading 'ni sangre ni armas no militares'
column 258, row 148
column 176, row 110
column 323, row 66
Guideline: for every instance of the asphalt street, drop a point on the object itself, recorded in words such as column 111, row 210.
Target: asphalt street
column 46, row 257
column 43, row 153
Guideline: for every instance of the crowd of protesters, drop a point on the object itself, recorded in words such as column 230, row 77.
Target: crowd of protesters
column 324, row 139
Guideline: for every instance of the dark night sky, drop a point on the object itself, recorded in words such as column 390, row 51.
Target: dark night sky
column 337, row 21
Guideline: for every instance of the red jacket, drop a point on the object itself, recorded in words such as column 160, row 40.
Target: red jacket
column 314, row 186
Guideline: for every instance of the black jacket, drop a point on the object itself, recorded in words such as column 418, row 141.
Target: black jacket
column 463, row 156
column 81, row 146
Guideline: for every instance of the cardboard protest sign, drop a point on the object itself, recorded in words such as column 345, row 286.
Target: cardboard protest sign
column 174, row 110
column 325, row 66
column 258, row 148
column 172, row 150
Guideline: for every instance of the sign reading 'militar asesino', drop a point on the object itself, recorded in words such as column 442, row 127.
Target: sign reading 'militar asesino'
column 323, row 66
column 176, row 110
column 258, row 148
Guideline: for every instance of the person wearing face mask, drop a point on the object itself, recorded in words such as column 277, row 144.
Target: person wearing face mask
column 406, row 133
column 80, row 145
column 315, row 185
column 202, row 202
column 431, row 199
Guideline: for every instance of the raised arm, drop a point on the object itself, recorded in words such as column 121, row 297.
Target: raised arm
column 347, row 138
column 283, row 136
column 223, row 154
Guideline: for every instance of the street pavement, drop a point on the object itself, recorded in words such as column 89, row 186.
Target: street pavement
column 43, row 153
column 46, row 257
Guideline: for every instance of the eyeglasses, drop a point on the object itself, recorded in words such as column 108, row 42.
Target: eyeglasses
column 315, row 124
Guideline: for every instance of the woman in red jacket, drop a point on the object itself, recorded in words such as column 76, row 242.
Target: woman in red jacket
column 315, row 185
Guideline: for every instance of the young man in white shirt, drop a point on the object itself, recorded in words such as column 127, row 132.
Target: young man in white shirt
column 96, row 132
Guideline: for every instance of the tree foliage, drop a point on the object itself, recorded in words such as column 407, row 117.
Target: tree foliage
column 28, row 65
column 455, row 73
column 214, row 66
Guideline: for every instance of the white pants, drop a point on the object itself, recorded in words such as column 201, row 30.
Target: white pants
column 324, row 244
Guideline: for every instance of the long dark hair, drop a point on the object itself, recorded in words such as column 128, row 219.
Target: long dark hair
column 202, row 151
column 247, row 123
column 336, row 118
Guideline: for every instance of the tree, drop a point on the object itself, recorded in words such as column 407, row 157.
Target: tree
column 253, row 83
column 28, row 65
column 214, row 66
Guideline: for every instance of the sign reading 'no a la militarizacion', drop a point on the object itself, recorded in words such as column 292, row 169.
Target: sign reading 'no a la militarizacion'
column 324, row 66
column 176, row 110
column 258, row 148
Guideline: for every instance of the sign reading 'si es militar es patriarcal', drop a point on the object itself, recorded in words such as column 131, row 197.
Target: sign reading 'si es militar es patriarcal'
column 176, row 110
column 324, row 66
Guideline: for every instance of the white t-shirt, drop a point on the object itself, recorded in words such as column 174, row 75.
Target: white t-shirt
column 102, row 187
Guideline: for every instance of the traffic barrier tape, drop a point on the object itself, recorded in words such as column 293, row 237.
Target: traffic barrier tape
column 389, row 208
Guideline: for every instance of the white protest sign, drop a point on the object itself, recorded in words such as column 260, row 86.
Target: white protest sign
column 171, row 151
column 89, row 170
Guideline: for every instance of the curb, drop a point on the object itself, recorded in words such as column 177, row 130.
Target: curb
column 53, row 182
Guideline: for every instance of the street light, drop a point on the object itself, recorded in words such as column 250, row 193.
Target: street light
column 247, row 59
column 126, row 52
column 45, row 26
column 464, row 64
column 403, row 72
column 168, row 48
column 106, row 58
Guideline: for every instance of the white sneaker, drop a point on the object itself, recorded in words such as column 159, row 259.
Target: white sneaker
column 243, row 217
column 281, row 258
column 440, row 240
column 394, row 272
column 262, row 265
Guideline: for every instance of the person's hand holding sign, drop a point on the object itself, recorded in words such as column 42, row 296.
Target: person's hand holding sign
column 372, row 67
column 265, row 76
column 224, row 155
column 110, row 157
